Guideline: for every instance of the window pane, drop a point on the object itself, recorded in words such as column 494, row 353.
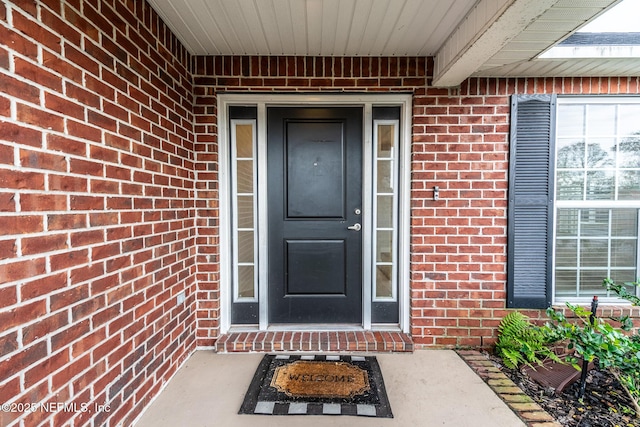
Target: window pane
column 566, row 253
column 594, row 222
column 594, row 253
column 591, row 283
column 570, row 153
column 386, row 139
column 570, row 185
column 245, row 281
column 600, row 185
column 245, row 176
column 630, row 152
column 629, row 185
column 601, row 153
column 571, row 120
column 384, row 178
column 384, row 246
column 244, row 140
column 624, row 276
column 385, row 211
column 624, row 222
column 567, row 222
column 245, row 246
column 602, row 120
column 245, row 212
column 384, row 281
column 623, row 253
column 566, row 282
column 628, row 119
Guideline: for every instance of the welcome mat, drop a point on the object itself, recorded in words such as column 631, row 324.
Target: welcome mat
column 317, row 385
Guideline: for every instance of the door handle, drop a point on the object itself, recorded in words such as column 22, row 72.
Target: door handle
column 355, row 227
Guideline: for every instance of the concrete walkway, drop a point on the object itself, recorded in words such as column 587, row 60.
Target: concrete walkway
column 426, row 388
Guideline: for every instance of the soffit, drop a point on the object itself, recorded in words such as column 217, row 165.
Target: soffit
column 312, row 27
column 519, row 57
column 500, row 38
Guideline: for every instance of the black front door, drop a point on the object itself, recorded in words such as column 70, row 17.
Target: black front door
column 314, row 160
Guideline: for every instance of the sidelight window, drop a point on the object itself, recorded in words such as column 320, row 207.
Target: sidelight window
column 243, row 147
column 385, row 210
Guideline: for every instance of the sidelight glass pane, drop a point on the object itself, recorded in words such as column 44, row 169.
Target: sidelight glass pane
column 245, row 246
column 384, row 281
column 384, row 246
column 386, row 139
column 244, row 140
column 245, row 212
column 385, row 212
column 246, row 281
column 385, row 176
column 245, row 176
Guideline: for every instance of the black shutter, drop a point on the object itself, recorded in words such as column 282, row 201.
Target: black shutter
column 531, row 193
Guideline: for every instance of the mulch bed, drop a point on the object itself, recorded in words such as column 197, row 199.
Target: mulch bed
column 605, row 403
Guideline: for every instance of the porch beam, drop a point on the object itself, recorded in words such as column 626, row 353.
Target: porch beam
column 486, row 29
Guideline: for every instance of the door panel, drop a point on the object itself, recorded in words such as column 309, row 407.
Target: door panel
column 315, row 267
column 314, row 158
column 315, row 170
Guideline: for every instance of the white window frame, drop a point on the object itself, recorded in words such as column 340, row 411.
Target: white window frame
column 367, row 101
column 588, row 204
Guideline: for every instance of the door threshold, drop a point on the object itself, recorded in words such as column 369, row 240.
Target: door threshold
column 316, row 327
column 314, row 341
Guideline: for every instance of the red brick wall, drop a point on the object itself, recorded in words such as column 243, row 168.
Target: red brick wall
column 109, row 198
column 277, row 74
column 460, row 143
column 97, row 212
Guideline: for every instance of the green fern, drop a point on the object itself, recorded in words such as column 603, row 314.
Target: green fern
column 522, row 342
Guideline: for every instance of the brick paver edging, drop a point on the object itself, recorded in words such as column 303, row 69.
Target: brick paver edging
column 529, row 411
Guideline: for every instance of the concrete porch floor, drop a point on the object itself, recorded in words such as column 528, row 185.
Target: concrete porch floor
column 425, row 388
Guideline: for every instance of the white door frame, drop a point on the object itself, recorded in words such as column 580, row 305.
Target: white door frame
column 367, row 101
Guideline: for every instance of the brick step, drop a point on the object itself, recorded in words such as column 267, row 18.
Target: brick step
column 312, row 341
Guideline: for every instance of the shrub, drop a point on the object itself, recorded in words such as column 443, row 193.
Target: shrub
column 522, row 342
column 592, row 338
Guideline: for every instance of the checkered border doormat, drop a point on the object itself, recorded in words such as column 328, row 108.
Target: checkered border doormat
column 272, row 402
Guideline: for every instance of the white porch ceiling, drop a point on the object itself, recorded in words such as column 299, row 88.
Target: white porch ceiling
column 313, row 27
column 499, row 38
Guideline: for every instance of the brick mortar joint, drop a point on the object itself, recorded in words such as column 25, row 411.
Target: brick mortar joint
column 469, row 357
